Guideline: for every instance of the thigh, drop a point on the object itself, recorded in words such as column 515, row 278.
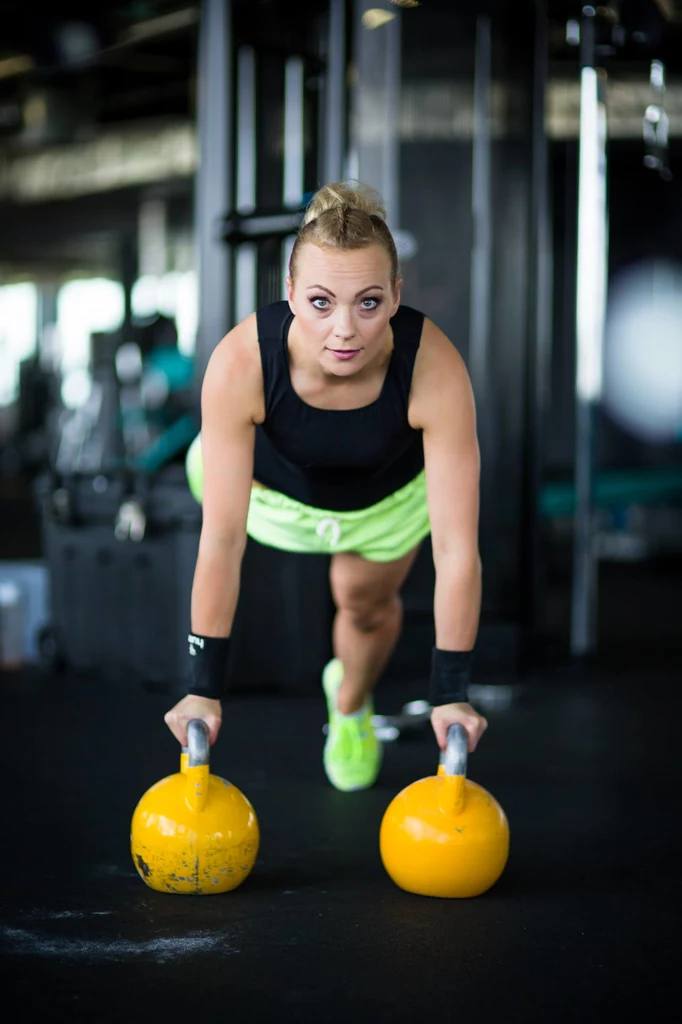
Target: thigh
column 355, row 579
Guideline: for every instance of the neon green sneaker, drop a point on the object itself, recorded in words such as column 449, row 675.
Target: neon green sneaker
column 352, row 753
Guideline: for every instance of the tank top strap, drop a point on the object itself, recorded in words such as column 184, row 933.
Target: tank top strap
column 407, row 327
column 271, row 324
column 270, row 320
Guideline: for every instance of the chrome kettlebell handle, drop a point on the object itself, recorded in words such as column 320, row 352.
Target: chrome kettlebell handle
column 197, row 743
column 454, row 758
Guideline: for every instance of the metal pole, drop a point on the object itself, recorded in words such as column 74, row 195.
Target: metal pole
column 293, row 179
column 294, row 133
column 129, row 272
column 590, row 311
column 335, row 93
column 390, row 183
column 375, row 144
column 481, row 250
column 246, row 254
column 214, row 178
column 480, row 294
column 539, row 338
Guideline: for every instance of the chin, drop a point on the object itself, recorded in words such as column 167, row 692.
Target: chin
column 340, row 368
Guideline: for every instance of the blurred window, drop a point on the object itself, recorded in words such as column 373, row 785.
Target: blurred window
column 84, row 307
column 18, row 305
column 173, row 295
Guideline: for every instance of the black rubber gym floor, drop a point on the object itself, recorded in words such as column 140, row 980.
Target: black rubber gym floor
column 583, row 925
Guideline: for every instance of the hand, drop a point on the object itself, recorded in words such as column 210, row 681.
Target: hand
column 209, row 711
column 445, row 715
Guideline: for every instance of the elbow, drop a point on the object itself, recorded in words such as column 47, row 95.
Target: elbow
column 460, row 563
column 229, row 544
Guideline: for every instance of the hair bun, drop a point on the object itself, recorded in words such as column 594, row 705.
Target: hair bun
column 351, row 195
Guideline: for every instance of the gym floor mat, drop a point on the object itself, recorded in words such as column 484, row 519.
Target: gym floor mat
column 581, row 927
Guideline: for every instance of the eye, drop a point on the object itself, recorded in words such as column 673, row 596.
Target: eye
column 320, row 299
column 370, row 303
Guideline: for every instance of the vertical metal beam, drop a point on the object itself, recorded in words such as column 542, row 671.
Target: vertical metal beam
column 246, row 130
column 480, row 302
column 335, row 94
column 246, row 280
column 46, row 321
column 214, row 177
column 539, row 337
column 590, row 312
column 152, row 232
column 246, row 254
column 376, row 107
column 481, row 203
column 294, row 142
column 480, row 296
column 293, row 179
column 129, row 273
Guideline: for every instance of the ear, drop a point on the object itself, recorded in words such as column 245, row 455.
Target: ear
column 290, row 292
column 397, row 292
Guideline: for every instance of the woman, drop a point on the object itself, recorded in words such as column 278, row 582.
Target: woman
column 342, row 422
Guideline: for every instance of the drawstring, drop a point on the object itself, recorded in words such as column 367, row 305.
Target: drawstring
column 334, row 528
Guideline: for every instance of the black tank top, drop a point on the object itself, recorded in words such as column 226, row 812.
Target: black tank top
column 336, row 459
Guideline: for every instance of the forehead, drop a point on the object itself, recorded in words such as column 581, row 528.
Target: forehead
column 371, row 264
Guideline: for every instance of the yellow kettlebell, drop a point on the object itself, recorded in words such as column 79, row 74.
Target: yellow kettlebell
column 193, row 832
column 445, row 835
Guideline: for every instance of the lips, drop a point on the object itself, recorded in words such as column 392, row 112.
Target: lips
column 344, row 353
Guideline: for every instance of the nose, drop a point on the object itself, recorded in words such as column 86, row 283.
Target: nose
column 343, row 326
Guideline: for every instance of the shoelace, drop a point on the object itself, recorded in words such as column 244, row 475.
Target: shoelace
column 352, row 734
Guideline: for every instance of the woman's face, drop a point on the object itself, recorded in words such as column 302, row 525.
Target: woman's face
column 343, row 302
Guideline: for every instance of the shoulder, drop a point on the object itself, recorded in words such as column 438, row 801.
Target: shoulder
column 440, row 377
column 234, row 373
column 436, row 350
column 237, row 351
column 271, row 319
column 409, row 315
column 408, row 325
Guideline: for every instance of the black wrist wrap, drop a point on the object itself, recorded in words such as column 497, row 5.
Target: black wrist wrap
column 450, row 676
column 208, row 657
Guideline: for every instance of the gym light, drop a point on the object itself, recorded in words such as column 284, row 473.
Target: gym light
column 375, row 17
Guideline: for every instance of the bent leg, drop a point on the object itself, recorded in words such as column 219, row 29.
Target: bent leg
column 368, row 620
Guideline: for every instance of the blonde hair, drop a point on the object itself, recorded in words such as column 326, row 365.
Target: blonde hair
column 346, row 216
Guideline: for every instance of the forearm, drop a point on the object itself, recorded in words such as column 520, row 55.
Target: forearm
column 215, row 590
column 457, row 601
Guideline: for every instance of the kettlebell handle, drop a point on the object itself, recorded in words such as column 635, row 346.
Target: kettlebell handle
column 454, row 758
column 194, row 765
column 198, row 746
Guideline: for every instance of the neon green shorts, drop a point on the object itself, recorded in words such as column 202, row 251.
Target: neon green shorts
column 381, row 533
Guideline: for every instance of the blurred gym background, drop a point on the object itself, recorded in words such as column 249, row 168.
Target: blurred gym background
column 155, row 158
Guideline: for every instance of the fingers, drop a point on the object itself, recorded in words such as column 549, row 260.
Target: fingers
column 213, row 722
column 441, row 731
column 475, row 732
column 475, row 727
column 190, row 707
column 450, row 714
column 177, row 725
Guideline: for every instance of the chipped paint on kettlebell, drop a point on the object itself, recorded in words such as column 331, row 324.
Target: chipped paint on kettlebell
column 195, row 818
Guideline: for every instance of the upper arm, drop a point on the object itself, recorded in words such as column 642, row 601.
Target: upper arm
column 230, row 399
column 442, row 405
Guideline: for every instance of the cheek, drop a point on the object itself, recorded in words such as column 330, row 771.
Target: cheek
column 310, row 316
column 374, row 328
column 312, row 324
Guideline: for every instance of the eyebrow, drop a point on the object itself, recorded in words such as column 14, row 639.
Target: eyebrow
column 369, row 288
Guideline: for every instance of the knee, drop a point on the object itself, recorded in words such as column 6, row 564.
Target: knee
column 369, row 612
